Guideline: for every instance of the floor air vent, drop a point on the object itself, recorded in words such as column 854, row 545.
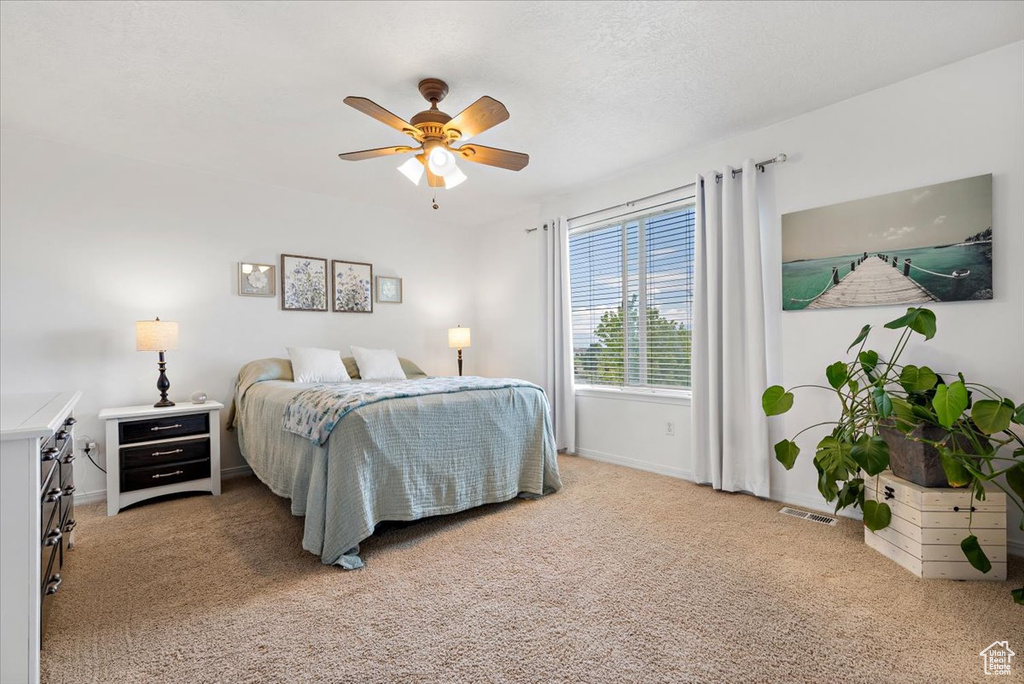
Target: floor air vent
column 813, row 517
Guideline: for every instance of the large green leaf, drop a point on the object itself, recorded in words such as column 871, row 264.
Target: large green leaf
column 972, row 549
column 871, row 453
column 914, row 379
column 1018, row 595
column 949, row 402
column 860, row 337
column 869, row 361
column 991, row 416
column 883, row 402
column 776, row 400
column 833, row 455
column 851, row 494
column 786, row 453
column 837, row 374
column 1015, row 478
column 956, row 473
column 919, row 320
column 1018, row 415
column 876, row 515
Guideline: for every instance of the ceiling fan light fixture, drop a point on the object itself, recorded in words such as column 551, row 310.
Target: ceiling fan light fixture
column 412, row 169
column 441, row 161
column 454, row 177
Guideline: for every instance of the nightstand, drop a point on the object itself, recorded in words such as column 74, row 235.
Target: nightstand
column 157, row 451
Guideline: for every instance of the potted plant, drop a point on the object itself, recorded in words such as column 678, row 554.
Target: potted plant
column 912, row 411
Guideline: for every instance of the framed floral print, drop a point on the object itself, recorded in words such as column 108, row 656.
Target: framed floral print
column 352, row 286
column 303, row 283
column 256, row 280
column 389, row 289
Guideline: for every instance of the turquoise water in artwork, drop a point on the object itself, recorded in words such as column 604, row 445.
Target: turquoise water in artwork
column 804, row 280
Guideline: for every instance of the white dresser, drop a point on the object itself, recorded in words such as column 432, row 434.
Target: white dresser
column 928, row 524
column 36, row 520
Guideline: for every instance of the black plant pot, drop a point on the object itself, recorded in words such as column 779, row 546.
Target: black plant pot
column 910, row 460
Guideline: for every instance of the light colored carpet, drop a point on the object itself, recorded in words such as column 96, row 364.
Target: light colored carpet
column 623, row 576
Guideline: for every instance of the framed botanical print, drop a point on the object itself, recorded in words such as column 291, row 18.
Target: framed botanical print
column 303, row 283
column 256, row 280
column 389, row 289
column 351, row 281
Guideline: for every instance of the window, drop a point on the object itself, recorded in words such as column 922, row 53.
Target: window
column 642, row 263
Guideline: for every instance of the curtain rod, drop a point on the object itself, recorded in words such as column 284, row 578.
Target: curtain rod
column 777, row 159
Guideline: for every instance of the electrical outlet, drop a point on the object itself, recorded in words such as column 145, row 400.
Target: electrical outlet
column 670, row 428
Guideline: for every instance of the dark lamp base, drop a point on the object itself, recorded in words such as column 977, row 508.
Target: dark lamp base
column 163, row 403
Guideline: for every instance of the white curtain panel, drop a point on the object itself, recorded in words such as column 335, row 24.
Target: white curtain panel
column 730, row 432
column 558, row 381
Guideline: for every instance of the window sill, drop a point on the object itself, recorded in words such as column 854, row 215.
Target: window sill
column 656, row 396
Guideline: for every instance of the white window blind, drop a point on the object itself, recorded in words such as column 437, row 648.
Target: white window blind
column 632, row 296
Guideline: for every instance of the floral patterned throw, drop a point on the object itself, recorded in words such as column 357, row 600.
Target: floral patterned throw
column 313, row 413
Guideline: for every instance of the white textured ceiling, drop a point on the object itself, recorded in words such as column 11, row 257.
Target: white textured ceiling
column 253, row 90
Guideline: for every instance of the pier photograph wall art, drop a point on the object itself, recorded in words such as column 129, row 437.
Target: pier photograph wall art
column 929, row 244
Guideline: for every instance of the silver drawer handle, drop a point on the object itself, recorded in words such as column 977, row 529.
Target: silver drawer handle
column 176, row 472
column 53, row 585
column 166, row 453
column 53, row 538
column 53, row 495
column 165, row 427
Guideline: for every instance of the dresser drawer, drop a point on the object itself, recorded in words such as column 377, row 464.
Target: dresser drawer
column 51, row 584
column 49, row 547
column 144, row 478
column 134, row 431
column 165, row 453
column 49, row 502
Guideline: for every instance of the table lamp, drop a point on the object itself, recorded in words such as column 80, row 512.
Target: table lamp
column 458, row 338
column 158, row 336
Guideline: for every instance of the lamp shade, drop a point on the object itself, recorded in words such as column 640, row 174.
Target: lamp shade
column 156, row 335
column 458, row 338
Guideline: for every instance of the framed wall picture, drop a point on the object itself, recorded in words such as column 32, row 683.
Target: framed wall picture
column 351, row 281
column 389, row 289
column 256, row 280
column 907, row 248
column 303, row 283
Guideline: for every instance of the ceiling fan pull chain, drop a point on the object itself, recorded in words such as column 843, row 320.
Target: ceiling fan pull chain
column 434, row 200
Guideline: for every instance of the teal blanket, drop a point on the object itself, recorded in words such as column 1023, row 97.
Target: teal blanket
column 399, row 458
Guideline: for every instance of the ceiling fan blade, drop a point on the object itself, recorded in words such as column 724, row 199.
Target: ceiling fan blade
column 478, row 117
column 492, row 156
column 370, row 154
column 371, row 108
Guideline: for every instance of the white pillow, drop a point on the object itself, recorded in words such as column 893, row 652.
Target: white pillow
column 378, row 364
column 317, row 365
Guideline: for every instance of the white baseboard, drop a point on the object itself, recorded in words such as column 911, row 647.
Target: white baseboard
column 635, row 464
column 101, row 494
column 237, row 471
column 83, row 498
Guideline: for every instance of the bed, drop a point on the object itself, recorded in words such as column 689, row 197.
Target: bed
column 351, row 455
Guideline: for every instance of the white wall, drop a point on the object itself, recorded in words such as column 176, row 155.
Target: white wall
column 90, row 243
column 962, row 120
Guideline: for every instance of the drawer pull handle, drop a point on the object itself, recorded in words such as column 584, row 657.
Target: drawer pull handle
column 63, row 434
column 70, row 526
column 53, row 585
column 52, row 496
column 167, row 453
column 70, row 421
column 69, row 459
column 49, row 454
column 69, row 490
column 176, row 472
column 164, row 427
column 53, row 538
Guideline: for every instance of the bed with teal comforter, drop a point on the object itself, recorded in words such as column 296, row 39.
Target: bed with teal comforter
column 351, row 455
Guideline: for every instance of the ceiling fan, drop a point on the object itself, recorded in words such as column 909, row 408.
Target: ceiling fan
column 436, row 132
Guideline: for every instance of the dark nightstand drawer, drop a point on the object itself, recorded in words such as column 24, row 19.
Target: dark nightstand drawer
column 165, row 453
column 144, row 478
column 162, row 428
